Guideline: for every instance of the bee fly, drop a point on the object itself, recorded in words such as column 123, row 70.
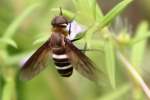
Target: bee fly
column 65, row 55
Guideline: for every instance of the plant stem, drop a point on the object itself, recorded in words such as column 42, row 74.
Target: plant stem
column 8, row 90
column 135, row 74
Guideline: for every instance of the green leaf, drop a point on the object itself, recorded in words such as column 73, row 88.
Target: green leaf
column 41, row 39
column 75, row 3
column 8, row 41
column 138, row 48
column 96, row 10
column 139, row 39
column 114, row 12
column 88, row 5
column 116, row 94
column 17, row 22
column 103, row 21
column 110, row 60
column 13, row 59
column 99, row 14
column 86, row 11
column 93, row 4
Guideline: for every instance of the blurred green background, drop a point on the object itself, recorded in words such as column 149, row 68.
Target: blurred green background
column 24, row 22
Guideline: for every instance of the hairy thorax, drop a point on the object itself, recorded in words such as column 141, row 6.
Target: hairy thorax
column 57, row 37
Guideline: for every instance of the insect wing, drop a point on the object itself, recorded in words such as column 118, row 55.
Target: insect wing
column 36, row 63
column 80, row 61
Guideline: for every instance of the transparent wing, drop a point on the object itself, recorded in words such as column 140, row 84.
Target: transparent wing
column 80, row 61
column 36, row 63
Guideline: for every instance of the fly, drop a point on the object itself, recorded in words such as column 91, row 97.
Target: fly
column 65, row 54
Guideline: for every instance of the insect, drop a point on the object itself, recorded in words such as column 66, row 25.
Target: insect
column 66, row 56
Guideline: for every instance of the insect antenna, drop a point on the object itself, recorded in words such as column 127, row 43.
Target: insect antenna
column 61, row 13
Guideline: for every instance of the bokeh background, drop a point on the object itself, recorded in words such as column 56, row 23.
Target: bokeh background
column 36, row 23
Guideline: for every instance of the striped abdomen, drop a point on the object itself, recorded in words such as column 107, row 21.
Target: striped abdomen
column 62, row 62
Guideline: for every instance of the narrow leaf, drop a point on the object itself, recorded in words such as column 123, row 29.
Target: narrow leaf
column 138, row 48
column 99, row 14
column 75, row 3
column 13, row 59
column 103, row 21
column 8, row 41
column 110, row 61
column 114, row 12
column 41, row 40
column 115, row 95
column 16, row 23
column 139, row 39
column 96, row 10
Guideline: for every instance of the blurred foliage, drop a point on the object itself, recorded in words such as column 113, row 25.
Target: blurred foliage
column 25, row 25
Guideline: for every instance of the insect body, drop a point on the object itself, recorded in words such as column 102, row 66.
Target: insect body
column 65, row 55
column 60, row 57
column 61, row 60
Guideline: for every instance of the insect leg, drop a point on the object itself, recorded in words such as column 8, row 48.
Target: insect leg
column 69, row 29
column 76, row 39
column 86, row 49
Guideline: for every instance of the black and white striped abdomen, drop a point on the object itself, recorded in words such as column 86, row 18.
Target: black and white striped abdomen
column 62, row 62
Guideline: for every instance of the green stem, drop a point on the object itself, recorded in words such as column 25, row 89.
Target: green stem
column 8, row 90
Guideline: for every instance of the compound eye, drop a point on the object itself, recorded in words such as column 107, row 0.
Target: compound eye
column 59, row 21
